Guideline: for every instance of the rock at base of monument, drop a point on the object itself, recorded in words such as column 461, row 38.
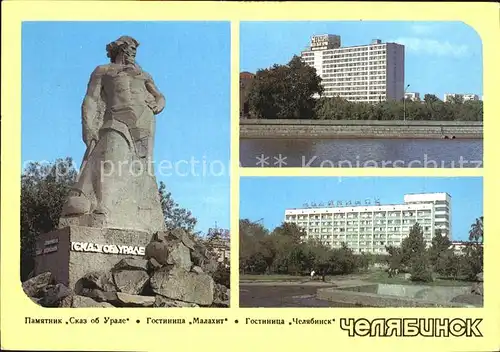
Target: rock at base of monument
column 173, row 252
column 220, row 304
column 119, row 299
column 126, row 300
column 44, row 291
column 179, row 255
column 86, row 302
column 210, row 266
column 130, row 281
column 164, row 302
column 181, row 285
column 221, row 293
column 98, row 295
column 72, row 252
column 197, row 270
column 158, row 251
column 132, row 264
column 176, row 234
column 153, row 264
column 101, row 280
column 34, row 287
column 54, row 294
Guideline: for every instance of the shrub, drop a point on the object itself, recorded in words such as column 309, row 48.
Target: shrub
column 420, row 269
column 222, row 275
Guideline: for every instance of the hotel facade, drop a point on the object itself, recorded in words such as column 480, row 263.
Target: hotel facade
column 369, row 228
column 365, row 73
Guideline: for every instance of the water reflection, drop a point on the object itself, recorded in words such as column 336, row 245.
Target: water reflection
column 362, row 153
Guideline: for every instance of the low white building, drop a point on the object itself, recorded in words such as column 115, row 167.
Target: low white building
column 459, row 246
column 464, row 97
column 414, row 96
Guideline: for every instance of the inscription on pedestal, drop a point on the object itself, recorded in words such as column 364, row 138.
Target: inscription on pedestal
column 107, row 248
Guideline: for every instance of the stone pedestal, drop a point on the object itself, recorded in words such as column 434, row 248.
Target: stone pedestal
column 71, row 252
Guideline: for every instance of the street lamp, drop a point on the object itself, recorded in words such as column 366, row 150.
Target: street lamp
column 404, row 103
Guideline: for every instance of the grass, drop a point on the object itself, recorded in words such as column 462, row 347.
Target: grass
column 381, row 277
column 378, row 276
column 272, row 277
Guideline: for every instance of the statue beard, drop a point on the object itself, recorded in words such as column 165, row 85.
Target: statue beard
column 129, row 59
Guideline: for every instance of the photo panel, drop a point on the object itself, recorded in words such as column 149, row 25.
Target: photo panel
column 355, row 94
column 121, row 205
column 361, row 242
column 159, row 155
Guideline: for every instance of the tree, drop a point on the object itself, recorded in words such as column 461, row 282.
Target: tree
column 44, row 188
column 449, row 265
column 431, row 99
column 322, row 261
column 269, row 250
column 250, row 258
column 175, row 216
column 285, row 91
column 412, row 246
column 420, row 268
column 476, row 231
column 472, row 260
column 440, row 247
column 394, row 259
column 290, row 231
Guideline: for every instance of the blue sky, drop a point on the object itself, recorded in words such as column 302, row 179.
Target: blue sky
column 440, row 57
column 267, row 197
column 190, row 63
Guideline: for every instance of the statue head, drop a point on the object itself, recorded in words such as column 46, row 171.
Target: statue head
column 124, row 46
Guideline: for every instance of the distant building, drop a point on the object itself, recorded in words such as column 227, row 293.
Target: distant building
column 364, row 73
column 412, row 96
column 246, row 79
column 448, row 97
column 459, row 246
column 370, row 228
column 219, row 243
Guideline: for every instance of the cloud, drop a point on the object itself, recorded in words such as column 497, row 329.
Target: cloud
column 433, row 47
column 422, row 29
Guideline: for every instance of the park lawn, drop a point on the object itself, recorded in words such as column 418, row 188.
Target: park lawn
column 272, row 277
column 381, row 277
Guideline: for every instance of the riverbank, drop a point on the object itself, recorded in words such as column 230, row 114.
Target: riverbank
column 356, row 129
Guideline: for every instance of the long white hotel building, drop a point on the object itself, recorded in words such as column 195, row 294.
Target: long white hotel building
column 365, row 73
column 369, row 228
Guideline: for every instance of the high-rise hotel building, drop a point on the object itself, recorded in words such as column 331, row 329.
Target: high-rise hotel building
column 369, row 228
column 364, row 73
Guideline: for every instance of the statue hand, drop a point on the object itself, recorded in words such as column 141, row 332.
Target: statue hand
column 89, row 137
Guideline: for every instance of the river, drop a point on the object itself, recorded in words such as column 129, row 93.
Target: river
column 384, row 153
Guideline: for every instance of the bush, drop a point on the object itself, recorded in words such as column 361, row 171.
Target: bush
column 420, row 269
column 472, row 261
column 222, row 275
column 449, row 265
column 363, row 261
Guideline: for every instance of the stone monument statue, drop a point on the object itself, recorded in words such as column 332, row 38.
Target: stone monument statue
column 116, row 186
column 112, row 248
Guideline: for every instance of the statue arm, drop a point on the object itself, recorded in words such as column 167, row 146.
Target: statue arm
column 91, row 106
column 158, row 96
